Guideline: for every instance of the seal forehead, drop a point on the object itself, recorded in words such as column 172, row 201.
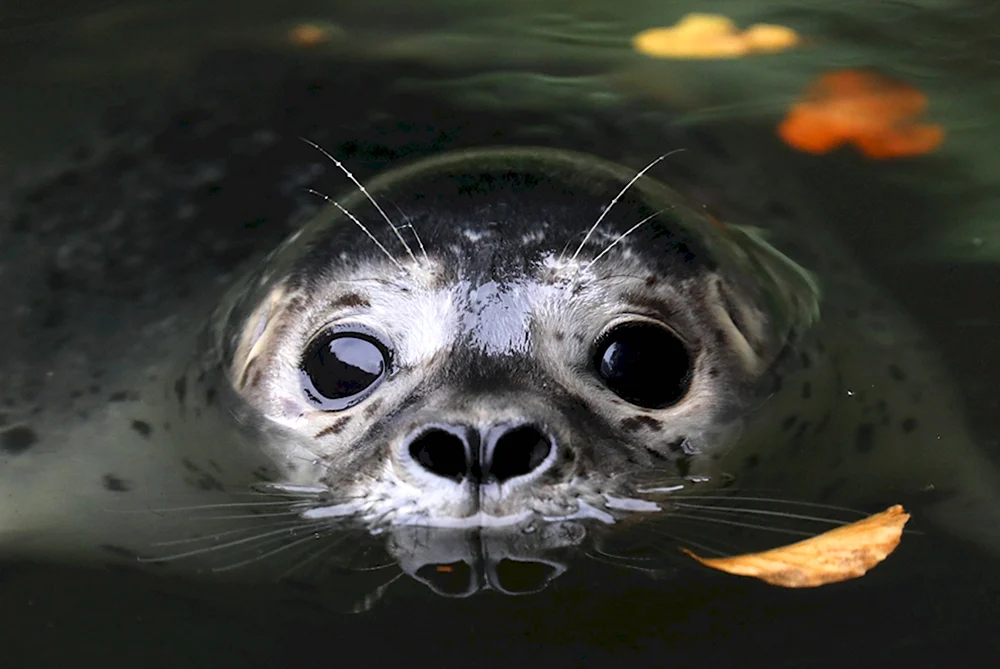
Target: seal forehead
column 497, row 316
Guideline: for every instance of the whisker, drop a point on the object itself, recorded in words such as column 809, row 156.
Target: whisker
column 623, row 236
column 236, row 531
column 601, row 551
column 285, row 514
column 705, row 548
column 313, row 536
column 365, row 192
column 661, row 489
column 750, row 526
column 776, row 500
column 615, row 562
column 369, row 600
column 416, row 236
column 239, row 542
column 761, row 512
column 614, row 201
column 378, row 567
column 409, row 225
column 288, row 490
column 163, row 511
column 360, row 225
column 687, row 541
column 205, row 507
column 310, row 558
column 226, row 533
column 788, row 515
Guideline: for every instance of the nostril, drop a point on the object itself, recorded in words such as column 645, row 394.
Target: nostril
column 518, row 451
column 440, row 452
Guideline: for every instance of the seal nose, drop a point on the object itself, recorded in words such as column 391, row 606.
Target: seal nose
column 514, row 450
column 445, row 450
column 496, row 453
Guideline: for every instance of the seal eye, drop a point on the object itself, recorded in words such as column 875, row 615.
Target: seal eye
column 341, row 368
column 644, row 363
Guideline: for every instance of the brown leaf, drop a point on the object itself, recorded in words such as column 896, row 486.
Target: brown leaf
column 838, row 555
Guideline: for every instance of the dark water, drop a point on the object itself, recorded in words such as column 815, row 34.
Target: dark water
column 187, row 84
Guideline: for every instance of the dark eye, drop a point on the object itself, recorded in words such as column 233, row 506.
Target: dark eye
column 340, row 368
column 644, row 363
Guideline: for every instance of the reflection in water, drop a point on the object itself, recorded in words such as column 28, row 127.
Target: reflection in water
column 350, row 567
column 332, row 557
column 278, row 542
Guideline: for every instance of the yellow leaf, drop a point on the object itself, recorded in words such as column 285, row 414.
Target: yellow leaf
column 712, row 36
column 838, row 555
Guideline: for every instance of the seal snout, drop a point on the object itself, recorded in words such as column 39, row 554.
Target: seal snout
column 491, row 454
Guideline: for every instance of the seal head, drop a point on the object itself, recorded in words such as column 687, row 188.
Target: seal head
column 495, row 335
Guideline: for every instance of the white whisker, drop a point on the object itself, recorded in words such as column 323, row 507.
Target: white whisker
column 287, row 490
column 360, row 225
column 420, row 242
column 329, row 546
column 378, row 567
column 291, row 531
column 365, row 192
column 760, row 512
column 751, row 526
column 601, row 551
column 409, row 225
column 227, row 533
column 685, row 540
column 775, row 500
column 614, row 201
column 201, row 507
column 616, row 561
column 257, row 558
column 247, row 516
column 623, row 236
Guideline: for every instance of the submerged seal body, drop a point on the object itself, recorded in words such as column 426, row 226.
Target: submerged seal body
column 528, row 339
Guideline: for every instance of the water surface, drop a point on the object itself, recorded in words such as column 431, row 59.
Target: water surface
column 470, row 73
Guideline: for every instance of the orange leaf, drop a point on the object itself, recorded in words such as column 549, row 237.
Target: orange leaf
column 838, row 555
column 907, row 141
column 871, row 111
column 800, row 130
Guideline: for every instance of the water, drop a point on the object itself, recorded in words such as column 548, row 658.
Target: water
column 471, row 73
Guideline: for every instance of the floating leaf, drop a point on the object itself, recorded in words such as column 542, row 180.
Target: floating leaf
column 838, row 555
column 712, row 36
column 309, row 35
column 872, row 111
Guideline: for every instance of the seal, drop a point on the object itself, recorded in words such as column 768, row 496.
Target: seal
column 483, row 358
column 534, row 341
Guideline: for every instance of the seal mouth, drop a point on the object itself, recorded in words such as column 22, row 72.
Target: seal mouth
column 606, row 509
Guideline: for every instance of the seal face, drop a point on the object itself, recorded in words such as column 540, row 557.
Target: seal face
column 516, row 345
